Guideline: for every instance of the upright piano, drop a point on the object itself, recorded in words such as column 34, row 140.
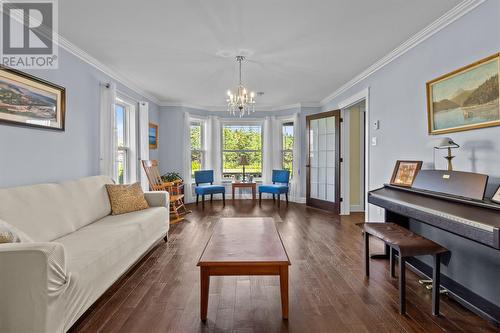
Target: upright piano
column 449, row 208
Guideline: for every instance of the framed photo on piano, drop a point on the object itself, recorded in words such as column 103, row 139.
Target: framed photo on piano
column 405, row 172
column 496, row 196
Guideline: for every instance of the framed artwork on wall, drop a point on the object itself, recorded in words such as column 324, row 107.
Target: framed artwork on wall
column 153, row 136
column 405, row 172
column 466, row 98
column 26, row 100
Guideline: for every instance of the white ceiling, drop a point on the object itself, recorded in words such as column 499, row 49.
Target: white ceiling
column 299, row 50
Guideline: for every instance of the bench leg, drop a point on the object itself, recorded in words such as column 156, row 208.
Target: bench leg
column 367, row 254
column 197, row 196
column 391, row 262
column 436, row 277
column 223, row 199
column 286, row 197
column 274, row 198
column 203, row 201
column 402, row 285
column 279, row 199
column 211, row 197
column 260, row 198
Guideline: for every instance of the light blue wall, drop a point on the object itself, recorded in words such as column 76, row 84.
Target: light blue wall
column 398, row 100
column 29, row 156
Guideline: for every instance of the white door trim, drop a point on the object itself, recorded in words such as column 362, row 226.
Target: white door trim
column 344, row 172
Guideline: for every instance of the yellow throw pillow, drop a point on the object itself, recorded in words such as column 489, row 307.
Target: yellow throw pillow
column 126, row 198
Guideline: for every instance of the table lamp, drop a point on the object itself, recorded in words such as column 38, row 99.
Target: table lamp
column 447, row 143
column 243, row 162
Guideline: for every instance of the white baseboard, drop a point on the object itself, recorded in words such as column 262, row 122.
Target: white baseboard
column 357, row 209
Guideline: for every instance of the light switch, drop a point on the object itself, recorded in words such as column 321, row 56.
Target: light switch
column 374, row 140
column 376, row 124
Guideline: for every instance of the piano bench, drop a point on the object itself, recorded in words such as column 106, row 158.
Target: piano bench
column 408, row 244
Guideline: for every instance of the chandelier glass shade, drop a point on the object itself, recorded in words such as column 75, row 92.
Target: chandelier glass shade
column 241, row 101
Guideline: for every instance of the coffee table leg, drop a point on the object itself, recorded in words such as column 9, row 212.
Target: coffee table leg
column 205, row 284
column 284, row 291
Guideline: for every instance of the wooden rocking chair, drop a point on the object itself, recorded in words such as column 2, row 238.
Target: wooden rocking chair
column 177, row 207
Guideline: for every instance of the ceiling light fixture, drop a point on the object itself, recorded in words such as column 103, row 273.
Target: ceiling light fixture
column 241, row 101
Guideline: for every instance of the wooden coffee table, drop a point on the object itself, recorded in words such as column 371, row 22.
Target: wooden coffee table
column 244, row 246
column 251, row 185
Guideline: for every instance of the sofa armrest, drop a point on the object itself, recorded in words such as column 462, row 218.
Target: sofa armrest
column 157, row 198
column 33, row 275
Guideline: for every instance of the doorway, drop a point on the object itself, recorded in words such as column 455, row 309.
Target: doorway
column 353, row 150
column 323, row 161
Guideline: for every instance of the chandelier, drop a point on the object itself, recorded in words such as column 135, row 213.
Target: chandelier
column 241, row 101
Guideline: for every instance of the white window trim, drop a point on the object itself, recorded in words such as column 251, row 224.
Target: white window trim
column 246, row 121
column 203, row 139
column 283, row 121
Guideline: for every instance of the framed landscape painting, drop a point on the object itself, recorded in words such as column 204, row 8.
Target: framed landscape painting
column 153, row 136
column 28, row 101
column 466, row 98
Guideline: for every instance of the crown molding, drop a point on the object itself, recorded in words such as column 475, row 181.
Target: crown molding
column 78, row 52
column 449, row 17
column 258, row 108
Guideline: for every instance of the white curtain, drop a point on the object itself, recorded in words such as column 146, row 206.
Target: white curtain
column 213, row 147
column 297, row 156
column 107, row 151
column 267, row 151
column 271, row 148
column 276, row 144
column 143, row 142
column 186, row 173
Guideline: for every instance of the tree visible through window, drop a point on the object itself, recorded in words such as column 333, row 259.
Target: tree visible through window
column 238, row 140
column 287, row 146
column 195, row 134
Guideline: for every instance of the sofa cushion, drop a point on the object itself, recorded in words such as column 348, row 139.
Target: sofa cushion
column 48, row 211
column 126, row 198
column 99, row 253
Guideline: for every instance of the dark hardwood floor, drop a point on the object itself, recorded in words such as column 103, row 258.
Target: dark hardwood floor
column 328, row 290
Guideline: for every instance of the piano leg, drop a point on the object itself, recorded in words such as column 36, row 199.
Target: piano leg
column 436, row 275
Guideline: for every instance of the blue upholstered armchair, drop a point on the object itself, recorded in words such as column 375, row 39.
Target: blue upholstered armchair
column 281, row 178
column 204, row 185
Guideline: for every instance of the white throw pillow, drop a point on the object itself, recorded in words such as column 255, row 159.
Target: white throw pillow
column 10, row 234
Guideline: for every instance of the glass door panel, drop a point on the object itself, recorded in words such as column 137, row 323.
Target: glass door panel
column 322, row 164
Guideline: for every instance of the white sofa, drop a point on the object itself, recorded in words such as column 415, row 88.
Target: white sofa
column 78, row 251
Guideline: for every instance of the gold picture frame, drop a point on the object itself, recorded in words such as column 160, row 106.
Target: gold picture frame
column 26, row 100
column 405, row 172
column 465, row 99
column 153, row 136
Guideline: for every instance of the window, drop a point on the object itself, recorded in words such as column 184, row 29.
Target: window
column 126, row 162
column 287, row 146
column 197, row 154
column 122, row 143
column 239, row 140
